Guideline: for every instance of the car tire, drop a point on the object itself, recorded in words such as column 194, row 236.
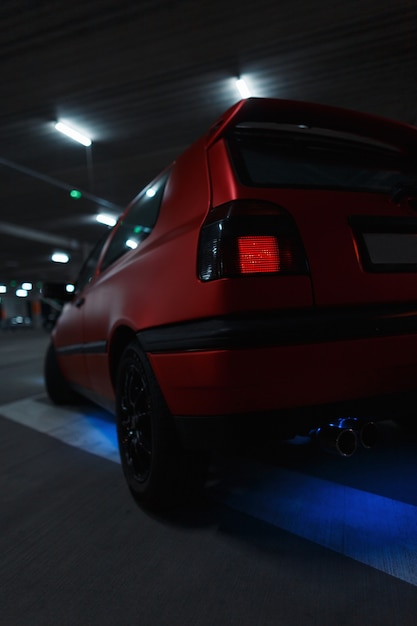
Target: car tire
column 159, row 472
column 57, row 387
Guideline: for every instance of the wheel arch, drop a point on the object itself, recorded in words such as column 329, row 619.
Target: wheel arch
column 122, row 336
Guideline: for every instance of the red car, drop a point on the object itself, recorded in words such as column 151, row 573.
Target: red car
column 266, row 280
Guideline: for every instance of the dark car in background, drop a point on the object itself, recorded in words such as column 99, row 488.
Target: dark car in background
column 265, row 282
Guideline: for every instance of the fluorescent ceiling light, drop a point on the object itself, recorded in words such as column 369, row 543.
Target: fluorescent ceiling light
column 151, row 192
column 21, row 293
column 60, row 257
column 3, row 289
column 131, row 243
column 70, row 288
column 242, row 88
column 27, row 286
column 106, row 218
column 74, row 134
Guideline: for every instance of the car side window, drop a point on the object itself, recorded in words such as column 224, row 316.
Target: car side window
column 87, row 270
column 137, row 223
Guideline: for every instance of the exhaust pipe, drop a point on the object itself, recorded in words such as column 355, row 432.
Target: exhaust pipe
column 337, row 439
column 345, row 434
column 367, row 431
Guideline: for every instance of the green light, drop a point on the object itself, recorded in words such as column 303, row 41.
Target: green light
column 137, row 229
column 13, row 283
column 74, row 193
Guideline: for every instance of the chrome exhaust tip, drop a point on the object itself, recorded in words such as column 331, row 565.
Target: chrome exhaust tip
column 337, row 439
column 367, row 431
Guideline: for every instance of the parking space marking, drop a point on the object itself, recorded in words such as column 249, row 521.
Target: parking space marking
column 87, row 427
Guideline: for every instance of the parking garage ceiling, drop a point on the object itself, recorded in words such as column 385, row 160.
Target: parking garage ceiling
column 144, row 79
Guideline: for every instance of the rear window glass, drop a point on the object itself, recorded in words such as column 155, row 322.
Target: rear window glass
column 306, row 158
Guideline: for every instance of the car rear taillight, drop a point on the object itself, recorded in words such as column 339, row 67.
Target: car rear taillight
column 247, row 237
column 259, row 253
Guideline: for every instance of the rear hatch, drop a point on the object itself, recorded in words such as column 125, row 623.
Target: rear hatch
column 351, row 188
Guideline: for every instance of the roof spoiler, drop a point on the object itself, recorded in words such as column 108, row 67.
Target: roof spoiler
column 398, row 134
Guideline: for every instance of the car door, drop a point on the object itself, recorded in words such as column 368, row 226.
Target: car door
column 69, row 335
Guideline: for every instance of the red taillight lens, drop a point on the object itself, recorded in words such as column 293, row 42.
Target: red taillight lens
column 247, row 237
column 259, row 253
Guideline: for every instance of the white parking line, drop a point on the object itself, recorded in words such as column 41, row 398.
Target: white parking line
column 87, row 428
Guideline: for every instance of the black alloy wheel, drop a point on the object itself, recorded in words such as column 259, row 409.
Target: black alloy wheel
column 135, row 432
column 159, row 472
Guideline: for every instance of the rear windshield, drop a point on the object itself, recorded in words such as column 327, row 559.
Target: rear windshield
column 310, row 158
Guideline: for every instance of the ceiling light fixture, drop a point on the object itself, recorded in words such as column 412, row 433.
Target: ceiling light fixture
column 74, row 134
column 106, row 219
column 60, row 257
column 243, row 88
column 21, row 293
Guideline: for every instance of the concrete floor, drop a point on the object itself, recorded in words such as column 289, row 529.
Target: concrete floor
column 289, row 536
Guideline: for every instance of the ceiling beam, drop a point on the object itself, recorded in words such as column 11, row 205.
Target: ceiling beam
column 59, row 183
column 36, row 235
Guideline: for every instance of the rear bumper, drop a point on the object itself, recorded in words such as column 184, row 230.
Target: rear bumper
column 218, row 371
column 225, row 431
column 289, row 327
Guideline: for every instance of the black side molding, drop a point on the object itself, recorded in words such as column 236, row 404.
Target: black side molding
column 291, row 327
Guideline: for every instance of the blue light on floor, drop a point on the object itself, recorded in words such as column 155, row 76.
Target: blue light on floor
column 369, row 528
column 98, row 433
column 373, row 529
column 103, row 425
column 84, row 427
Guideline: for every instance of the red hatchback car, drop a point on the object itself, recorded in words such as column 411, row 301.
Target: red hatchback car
column 266, row 280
